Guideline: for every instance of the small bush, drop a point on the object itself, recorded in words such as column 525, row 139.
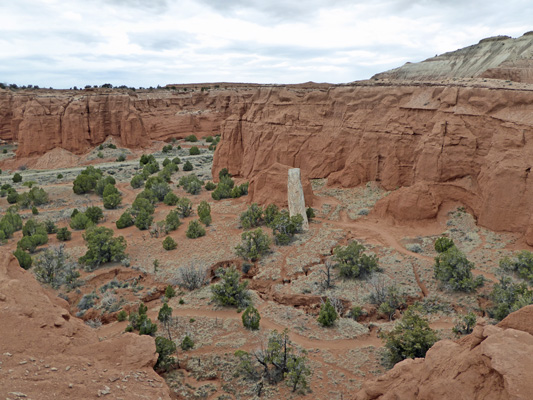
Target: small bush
column 137, row 181
column 442, row 244
column 251, row 318
column 80, row 221
column 63, row 234
column 508, row 296
column 167, row 148
column 169, row 243
column 195, row 230
column 521, row 264
column 285, row 227
column 454, row 271
column 230, row 291
column 24, row 259
column 411, row 337
column 59, row 176
column 125, row 220
column 172, row 221
column 210, row 186
column 121, row 157
column 465, row 325
column 100, row 154
column 204, row 213
column 194, row 151
column 95, row 214
column 121, row 316
column 112, row 201
column 176, row 160
column 34, row 210
column 271, row 212
column 223, row 173
column 102, row 247
column 17, row 177
column 184, row 207
column 252, row 217
column 170, row 292
column 254, row 244
column 170, row 199
column 328, row 315
column 191, row 184
column 187, row 343
column 165, row 348
column 310, row 213
column 191, row 138
column 187, row 166
column 352, row 262
column 209, row 139
column 143, row 220
column 192, row 277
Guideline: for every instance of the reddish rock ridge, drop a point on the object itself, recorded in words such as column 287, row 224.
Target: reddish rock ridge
column 77, row 121
column 48, row 354
column 436, row 143
column 493, row 362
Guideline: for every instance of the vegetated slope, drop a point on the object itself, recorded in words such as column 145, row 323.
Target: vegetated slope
column 494, row 362
column 49, row 354
column 499, row 57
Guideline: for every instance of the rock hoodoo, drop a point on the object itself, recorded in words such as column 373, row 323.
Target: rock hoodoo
column 295, row 196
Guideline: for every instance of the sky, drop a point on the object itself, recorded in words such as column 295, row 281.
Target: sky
column 143, row 43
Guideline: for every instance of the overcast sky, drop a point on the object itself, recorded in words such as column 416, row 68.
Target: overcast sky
column 65, row 43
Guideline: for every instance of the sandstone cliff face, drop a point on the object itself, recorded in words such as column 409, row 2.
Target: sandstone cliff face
column 434, row 143
column 492, row 363
column 49, row 354
column 500, row 57
column 77, row 121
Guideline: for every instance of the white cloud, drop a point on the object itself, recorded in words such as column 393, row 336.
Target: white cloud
column 146, row 43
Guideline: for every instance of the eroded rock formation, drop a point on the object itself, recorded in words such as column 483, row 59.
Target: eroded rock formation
column 435, row 143
column 49, row 354
column 79, row 120
column 492, row 363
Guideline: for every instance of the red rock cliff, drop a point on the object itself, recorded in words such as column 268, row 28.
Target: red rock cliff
column 79, row 120
column 436, row 142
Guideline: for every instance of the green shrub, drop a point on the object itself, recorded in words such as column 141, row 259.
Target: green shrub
column 121, row 316
column 109, row 189
column 252, row 217
column 50, row 226
column 508, row 297
column 112, row 201
column 411, row 337
column 141, row 203
column 172, row 221
column 146, row 159
column 38, row 196
column 204, row 213
column 170, row 292
column 125, row 220
column 121, row 157
column 140, row 321
column 195, row 230
column 191, row 184
column 167, row 148
column 222, row 191
column 223, row 173
column 137, row 181
column 34, row 210
column 59, row 176
column 352, row 262
column 191, row 138
column 209, row 139
column 151, row 168
column 176, row 160
column 284, row 227
column 111, row 146
column 187, row 343
column 442, row 244
column 17, row 177
column 254, row 244
column 521, row 264
column 194, row 151
column 102, row 247
column 169, row 243
column 310, row 213
column 12, row 196
column 95, row 214
column 170, row 199
column 187, row 166
column 271, row 212
column 165, row 348
column 454, row 271
column 86, row 181
column 229, row 291
column 184, row 207
column 210, row 186
column 251, row 318
column 328, row 315
column 63, row 234
column 53, row 267
column 143, row 220
column 24, row 259
column 80, row 221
